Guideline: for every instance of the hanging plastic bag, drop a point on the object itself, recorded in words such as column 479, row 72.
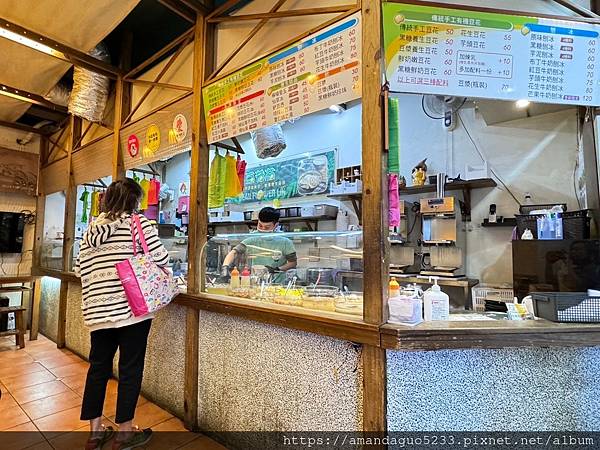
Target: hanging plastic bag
column 268, row 142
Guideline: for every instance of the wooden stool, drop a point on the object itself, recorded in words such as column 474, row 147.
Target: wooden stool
column 19, row 330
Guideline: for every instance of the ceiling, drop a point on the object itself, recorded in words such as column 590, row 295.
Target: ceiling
column 80, row 25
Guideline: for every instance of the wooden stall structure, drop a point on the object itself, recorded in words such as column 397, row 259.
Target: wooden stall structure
column 81, row 152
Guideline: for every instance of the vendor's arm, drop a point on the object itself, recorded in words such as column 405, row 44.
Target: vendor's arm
column 231, row 257
column 291, row 260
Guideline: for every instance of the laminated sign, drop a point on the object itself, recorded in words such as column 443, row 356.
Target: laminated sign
column 444, row 51
column 152, row 140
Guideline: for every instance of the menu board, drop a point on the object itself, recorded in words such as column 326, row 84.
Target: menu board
column 432, row 50
column 310, row 75
column 310, row 174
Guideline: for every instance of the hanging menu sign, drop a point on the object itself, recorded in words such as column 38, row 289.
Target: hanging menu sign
column 309, row 76
column 432, row 50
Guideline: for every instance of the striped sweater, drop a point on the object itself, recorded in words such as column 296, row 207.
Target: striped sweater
column 104, row 244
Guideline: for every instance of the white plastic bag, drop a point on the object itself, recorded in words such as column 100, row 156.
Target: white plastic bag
column 268, row 142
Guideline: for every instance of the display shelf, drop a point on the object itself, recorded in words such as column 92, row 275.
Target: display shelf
column 355, row 198
column 508, row 222
column 454, row 186
column 310, row 221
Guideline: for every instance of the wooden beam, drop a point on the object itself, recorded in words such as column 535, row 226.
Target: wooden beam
column 158, row 77
column 55, row 144
column 374, row 218
column 571, row 5
column 21, row 127
column 228, row 5
column 179, row 9
column 118, row 172
column 160, row 85
column 40, row 208
column 283, row 14
column 85, row 132
column 286, row 44
column 196, row 6
column 166, row 49
column 30, row 97
column 62, row 51
column 69, row 227
column 248, row 38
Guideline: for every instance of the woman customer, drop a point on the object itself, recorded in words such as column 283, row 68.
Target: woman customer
column 106, row 312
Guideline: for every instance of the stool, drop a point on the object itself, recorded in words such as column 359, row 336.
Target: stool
column 19, row 330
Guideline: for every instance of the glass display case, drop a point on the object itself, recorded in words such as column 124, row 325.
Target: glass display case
column 54, row 231
column 318, row 271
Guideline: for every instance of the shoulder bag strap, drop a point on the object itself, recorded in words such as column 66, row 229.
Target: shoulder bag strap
column 136, row 219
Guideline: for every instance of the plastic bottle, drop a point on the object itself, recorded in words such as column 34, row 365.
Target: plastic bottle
column 245, row 278
column 235, row 279
column 394, row 290
column 436, row 304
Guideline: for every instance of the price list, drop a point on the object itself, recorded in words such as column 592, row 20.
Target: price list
column 467, row 53
column 309, row 76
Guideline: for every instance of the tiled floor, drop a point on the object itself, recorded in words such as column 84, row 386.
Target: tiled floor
column 42, row 390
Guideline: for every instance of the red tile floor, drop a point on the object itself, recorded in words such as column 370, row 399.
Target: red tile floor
column 42, row 389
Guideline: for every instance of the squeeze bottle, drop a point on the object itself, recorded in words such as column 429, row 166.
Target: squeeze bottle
column 235, row 279
column 394, row 289
column 245, row 278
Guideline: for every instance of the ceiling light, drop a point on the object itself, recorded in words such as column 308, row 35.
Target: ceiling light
column 19, row 39
column 522, row 104
column 338, row 108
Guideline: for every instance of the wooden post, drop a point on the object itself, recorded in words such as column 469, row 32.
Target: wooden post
column 69, row 224
column 40, row 207
column 374, row 215
column 118, row 166
column 197, row 229
column 35, row 309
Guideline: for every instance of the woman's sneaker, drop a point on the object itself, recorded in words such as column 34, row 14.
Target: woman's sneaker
column 137, row 439
column 97, row 442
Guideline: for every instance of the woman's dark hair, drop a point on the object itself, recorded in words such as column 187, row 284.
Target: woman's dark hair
column 268, row 215
column 122, row 196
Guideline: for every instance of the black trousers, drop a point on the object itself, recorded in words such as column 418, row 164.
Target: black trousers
column 131, row 341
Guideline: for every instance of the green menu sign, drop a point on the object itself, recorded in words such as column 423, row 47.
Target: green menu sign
column 472, row 53
column 309, row 174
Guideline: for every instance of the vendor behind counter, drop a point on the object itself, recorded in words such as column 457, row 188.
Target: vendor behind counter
column 276, row 253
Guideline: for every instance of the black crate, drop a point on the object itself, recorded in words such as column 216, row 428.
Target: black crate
column 566, row 307
column 576, row 224
column 526, row 209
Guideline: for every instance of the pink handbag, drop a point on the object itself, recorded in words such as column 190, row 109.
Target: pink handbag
column 148, row 286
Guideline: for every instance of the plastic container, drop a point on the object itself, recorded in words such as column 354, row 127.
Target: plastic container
column 483, row 292
column 575, row 224
column 349, row 303
column 436, row 304
column 407, row 308
column 566, row 307
column 321, row 298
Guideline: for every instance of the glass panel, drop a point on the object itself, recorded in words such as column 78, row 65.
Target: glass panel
column 315, row 270
column 308, row 171
column 54, row 228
